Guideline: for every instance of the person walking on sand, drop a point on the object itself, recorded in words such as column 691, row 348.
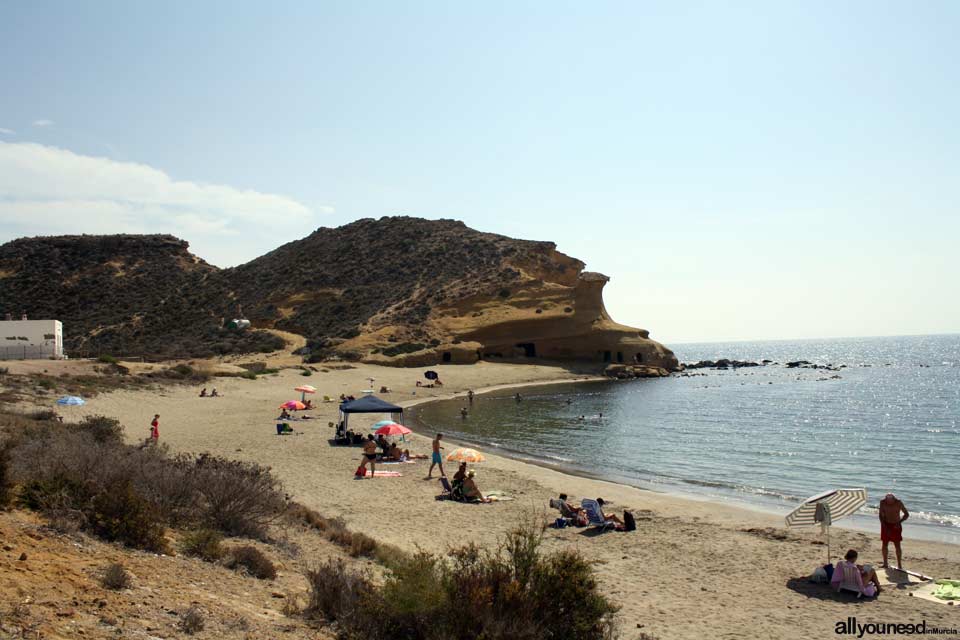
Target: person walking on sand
column 436, row 459
column 891, row 525
column 370, row 454
column 155, row 429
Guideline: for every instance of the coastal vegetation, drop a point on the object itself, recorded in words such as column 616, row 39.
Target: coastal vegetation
column 83, row 479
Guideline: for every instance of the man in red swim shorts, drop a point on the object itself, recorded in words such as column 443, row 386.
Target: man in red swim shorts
column 891, row 525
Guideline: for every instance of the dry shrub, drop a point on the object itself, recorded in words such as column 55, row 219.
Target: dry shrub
column 101, row 429
column 192, row 621
column 204, row 544
column 514, row 591
column 116, row 577
column 121, row 514
column 252, row 560
column 6, row 480
column 362, row 545
column 336, row 593
column 239, row 498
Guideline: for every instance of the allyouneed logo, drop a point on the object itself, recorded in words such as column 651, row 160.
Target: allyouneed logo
column 850, row 627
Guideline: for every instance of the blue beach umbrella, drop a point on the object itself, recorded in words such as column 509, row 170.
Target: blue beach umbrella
column 382, row 423
column 71, row 401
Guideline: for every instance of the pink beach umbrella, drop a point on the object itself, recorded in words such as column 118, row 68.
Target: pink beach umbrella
column 392, row 429
column 293, row 405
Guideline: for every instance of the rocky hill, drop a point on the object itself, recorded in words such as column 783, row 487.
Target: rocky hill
column 123, row 295
column 397, row 290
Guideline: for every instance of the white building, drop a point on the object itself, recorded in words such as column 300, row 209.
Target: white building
column 31, row 339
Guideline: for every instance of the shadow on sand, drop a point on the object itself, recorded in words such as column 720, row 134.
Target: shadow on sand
column 804, row 587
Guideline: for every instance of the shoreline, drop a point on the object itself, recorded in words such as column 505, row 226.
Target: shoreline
column 672, row 576
column 860, row 523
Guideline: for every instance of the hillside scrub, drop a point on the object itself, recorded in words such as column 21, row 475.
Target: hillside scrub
column 514, row 591
column 131, row 493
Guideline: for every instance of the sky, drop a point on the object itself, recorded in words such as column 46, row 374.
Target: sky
column 748, row 170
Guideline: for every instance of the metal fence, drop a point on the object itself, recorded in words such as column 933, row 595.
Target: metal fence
column 27, row 352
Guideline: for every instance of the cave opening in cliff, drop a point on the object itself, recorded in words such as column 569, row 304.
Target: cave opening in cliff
column 638, row 357
column 529, row 349
column 620, row 356
column 606, row 356
column 447, row 356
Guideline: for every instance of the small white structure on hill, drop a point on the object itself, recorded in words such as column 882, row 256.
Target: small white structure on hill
column 31, row 339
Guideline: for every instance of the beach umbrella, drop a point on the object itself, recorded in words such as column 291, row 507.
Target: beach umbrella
column 431, row 375
column 393, row 430
column 71, row 401
column 826, row 507
column 293, row 405
column 382, row 423
column 464, row 454
column 304, row 389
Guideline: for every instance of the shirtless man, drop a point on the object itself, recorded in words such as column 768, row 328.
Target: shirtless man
column 436, row 459
column 891, row 528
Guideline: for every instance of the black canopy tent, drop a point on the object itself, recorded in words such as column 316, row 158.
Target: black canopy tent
column 368, row 404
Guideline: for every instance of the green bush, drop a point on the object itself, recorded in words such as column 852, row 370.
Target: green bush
column 252, row 560
column 205, row 544
column 306, row 373
column 56, row 491
column 107, row 359
column 514, row 591
column 121, row 514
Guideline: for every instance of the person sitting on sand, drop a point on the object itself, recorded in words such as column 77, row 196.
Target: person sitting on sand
column 470, row 489
column 384, row 390
column 383, row 444
column 393, row 453
column 457, row 484
column 871, row 584
column 567, row 510
column 611, row 517
column 203, row 392
column 284, row 414
column 308, row 405
column 214, row 394
column 419, row 383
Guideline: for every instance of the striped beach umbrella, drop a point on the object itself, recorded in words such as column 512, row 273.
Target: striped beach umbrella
column 304, row 389
column 826, row 507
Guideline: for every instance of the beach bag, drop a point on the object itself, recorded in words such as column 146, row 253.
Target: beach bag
column 629, row 522
column 819, row 576
column 560, row 523
column 361, row 471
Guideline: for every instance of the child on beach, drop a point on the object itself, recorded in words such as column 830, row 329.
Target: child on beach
column 155, row 429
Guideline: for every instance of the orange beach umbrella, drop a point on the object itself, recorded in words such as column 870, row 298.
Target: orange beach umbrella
column 293, row 405
column 463, row 454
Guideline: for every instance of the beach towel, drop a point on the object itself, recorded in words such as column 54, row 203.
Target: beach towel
column 497, row 496
column 386, row 474
column 947, row 590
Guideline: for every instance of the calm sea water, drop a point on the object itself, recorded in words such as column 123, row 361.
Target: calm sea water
column 768, row 436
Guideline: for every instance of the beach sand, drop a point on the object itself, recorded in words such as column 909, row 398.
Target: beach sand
column 692, row 569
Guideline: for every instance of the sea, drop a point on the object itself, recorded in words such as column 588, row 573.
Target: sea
column 885, row 416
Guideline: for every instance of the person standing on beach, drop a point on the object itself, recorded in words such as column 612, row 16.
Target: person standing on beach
column 370, row 454
column 155, row 429
column 436, row 459
column 891, row 525
column 470, row 395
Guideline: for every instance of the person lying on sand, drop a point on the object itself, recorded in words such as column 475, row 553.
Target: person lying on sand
column 871, row 584
column 413, row 456
column 470, row 489
column 611, row 517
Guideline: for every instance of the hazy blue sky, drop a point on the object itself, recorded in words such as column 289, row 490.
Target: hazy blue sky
column 741, row 170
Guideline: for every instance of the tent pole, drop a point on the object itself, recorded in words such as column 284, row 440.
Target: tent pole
column 828, row 544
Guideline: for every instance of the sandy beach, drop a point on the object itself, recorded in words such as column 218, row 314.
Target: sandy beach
column 692, row 569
